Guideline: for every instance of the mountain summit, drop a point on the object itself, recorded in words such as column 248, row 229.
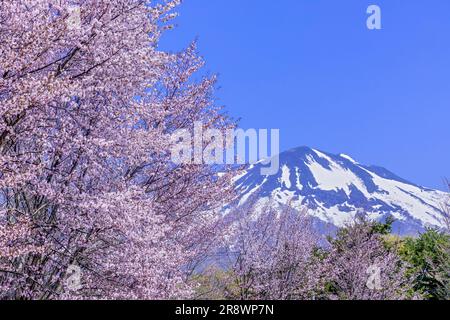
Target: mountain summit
column 336, row 188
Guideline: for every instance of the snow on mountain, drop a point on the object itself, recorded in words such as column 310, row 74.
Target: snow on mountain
column 336, row 188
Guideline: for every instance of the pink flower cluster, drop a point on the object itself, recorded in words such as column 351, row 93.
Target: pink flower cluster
column 86, row 116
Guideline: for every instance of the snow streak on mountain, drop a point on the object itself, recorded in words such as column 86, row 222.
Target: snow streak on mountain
column 336, row 188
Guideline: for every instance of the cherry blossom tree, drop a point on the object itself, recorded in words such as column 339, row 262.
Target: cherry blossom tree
column 274, row 253
column 87, row 108
column 360, row 267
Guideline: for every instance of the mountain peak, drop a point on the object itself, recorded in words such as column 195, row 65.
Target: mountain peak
column 334, row 188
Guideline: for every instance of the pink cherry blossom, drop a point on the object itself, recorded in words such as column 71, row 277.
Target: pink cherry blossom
column 86, row 115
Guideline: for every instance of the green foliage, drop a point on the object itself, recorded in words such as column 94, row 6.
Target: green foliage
column 383, row 228
column 319, row 253
column 429, row 258
column 393, row 242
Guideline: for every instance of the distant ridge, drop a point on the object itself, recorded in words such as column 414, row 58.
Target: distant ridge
column 336, row 188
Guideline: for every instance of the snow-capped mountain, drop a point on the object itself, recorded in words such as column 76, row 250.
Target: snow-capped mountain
column 336, row 188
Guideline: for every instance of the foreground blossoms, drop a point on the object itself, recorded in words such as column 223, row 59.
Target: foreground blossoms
column 87, row 107
column 93, row 204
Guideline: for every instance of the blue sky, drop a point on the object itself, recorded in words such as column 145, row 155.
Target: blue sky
column 312, row 69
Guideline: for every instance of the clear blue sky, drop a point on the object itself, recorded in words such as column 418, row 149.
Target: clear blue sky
column 312, row 69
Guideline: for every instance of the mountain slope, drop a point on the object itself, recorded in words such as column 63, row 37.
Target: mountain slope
column 336, row 188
